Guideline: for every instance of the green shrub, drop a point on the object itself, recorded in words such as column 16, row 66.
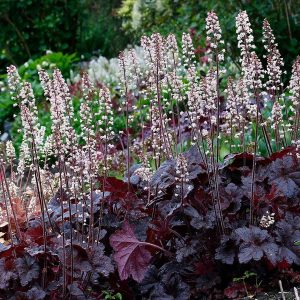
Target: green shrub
column 30, row 27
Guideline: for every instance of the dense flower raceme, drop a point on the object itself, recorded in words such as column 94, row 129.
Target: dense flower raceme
column 274, row 61
column 191, row 120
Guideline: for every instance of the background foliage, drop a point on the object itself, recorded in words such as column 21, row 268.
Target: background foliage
column 30, row 27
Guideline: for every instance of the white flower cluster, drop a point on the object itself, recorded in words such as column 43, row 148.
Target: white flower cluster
column 214, row 35
column 195, row 104
column 33, row 133
column 181, row 175
column 235, row 109
column 160, row 137
column 10, row 150
column 276, row 116
column 274, row 61
column 244, row 35
column 62, row 112
column 267, row 220
column 188, row 51
column 161, row 57
column 294, row 86
column 251, row 65
column 181, row 168
column 144, row 172
column 14, row 80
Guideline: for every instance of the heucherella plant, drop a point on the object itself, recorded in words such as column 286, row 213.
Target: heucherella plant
column 77, row 163
column 205, row 154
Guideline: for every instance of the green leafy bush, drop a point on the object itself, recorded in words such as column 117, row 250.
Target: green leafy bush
column 30, row 27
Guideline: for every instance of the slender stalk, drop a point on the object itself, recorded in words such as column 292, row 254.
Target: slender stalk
column 7, row 215
column 127, row 118
column 18, row 232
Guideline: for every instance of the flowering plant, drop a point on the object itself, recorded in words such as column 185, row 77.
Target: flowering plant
column 188, row 210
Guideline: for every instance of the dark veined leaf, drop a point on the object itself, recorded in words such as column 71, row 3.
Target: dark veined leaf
column 194, row 162
column 226, row 251
column 255, row 243
column 231, row 198
column 199, row 221
column 185, row 249
column 6, row 275
column 101, row 263
column 27, row 269
column 34, row 293
column 76, row 291
column 286, row 235
column 131, row 255
column 151, row 280
column 284, row 173
column 164, row 177
column 172, row 281
column 80, row 258
column 165, row 283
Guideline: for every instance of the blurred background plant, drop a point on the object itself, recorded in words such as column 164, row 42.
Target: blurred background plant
column 30, row 27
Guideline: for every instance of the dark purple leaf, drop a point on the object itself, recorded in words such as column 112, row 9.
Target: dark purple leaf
column 248, row 252
column 101, row 263
column 185, row 249
column 81, row 261
column 76, row 291
column 168, row 208
column 208, row 281
column 194, row 163
column 174, row 287
column 286, row 254
column 131, row 255
column 6, row 275
column 286, row 235
column 284, row 174
column 199, row 221
column 151, row 280
column 27, row 269
column 231, row 198
column 165, row 283
column 226, row 251
column 255, row 243
column 36, row 294
column 164, row 177
column 271, row 251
